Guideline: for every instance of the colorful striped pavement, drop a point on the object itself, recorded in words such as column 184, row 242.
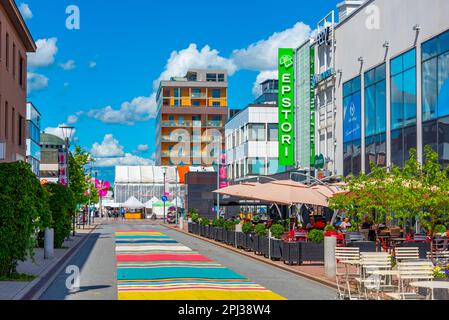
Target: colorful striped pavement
column 151, row 266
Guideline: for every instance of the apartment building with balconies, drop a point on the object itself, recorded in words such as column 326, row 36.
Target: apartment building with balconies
column 192, row 112
column 15, row 42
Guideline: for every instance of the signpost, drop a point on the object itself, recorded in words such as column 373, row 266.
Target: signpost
column 286, row 107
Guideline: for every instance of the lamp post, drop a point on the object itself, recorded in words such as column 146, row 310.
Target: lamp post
column 164, row 172
column 67, row 133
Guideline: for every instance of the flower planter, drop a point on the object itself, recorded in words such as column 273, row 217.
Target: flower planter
column 250, row 239
column 262, row 246
column 230, row 237
column 219, row 234
column 212, row 232
column 190, row 227
column 195, row 228
column 202, row 231
column 291, row 252
column 241, row 240
column 312, row 252
column 276, row 249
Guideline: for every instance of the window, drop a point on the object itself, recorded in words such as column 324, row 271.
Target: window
column 255, row 166
column 216, row 104
column 352, row 103
column 21, row 62
column 13, row 122
column 14, row 60
column 216, row 93
column 273, row 132
column 196, row 103
column 1, row 40
column 196, row 93
column 6, row 119
column 273, row 166
column 221, row 77
column 435, row 94
column 211, row 77
column 21, row 125
column 256, row 132
column 375, row 116
column 7, row 51
column 403, row 106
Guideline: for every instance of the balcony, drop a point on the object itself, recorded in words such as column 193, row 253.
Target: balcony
column 2, row 150
column 214, row 124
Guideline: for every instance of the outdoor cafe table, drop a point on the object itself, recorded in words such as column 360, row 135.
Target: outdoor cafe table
column 431, row 285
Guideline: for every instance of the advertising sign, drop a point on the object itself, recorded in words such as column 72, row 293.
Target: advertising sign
column 223, row 172
column 286, row 107
column 62, row 171
column 312, row 107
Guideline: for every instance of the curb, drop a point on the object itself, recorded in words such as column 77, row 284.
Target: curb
column 264, row 260
column 49, row 276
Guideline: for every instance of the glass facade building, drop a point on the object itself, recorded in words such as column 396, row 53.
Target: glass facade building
column 33, row 138
column 352, row 104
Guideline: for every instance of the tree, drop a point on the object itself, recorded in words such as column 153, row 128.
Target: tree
column 78, row 182
column 24, row 213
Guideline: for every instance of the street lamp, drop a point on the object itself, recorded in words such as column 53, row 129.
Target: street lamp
column 164, row 172
column 67, row 133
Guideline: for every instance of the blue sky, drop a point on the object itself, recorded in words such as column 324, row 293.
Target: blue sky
column 100, row 78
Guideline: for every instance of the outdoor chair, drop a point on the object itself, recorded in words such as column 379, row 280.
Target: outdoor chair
column 395, row 232
column 438, row 255
column 419, row 238
column 411, row 272
column 353, row 237
column 371, row 281
column 403, row 254
column 347, row 269
column 301, row 235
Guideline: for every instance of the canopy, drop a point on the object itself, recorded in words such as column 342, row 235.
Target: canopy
column 284, row 192
column 133, row 203
column 161, row 204
column 149, row 203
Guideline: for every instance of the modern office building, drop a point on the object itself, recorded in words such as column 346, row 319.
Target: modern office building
column 192, row 111
column 269, row 92
column 50, row 165
column 252, row 146
column 15, row 42
column 33, row 138
column 392, row 91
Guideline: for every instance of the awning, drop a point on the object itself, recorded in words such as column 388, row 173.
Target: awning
column 133, row 203
column 285, row 192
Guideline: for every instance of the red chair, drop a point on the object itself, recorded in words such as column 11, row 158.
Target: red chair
column 302, row 235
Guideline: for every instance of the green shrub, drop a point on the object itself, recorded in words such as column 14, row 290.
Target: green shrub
column 62, row 206
column 439, row 229
column 261, row 230
column 229, row 225
column 24, row 213
column 329, row 228
column 205, row 221
column 247, row 227
column 316, row 236
column 221, row 222
column 277, row 230
column 194, row 215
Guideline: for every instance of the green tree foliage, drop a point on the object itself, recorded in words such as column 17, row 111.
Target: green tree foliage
column 316, row 236
column 79, row 184
column 277, row 230
column 415, row 191
column 24, row 213
column 247, row 227
column 62, row 205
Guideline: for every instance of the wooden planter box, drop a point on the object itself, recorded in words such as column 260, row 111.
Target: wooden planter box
column 250, row 239
column 364, row 246
column 291, row 252
column 219, row 234
column 262, row 246
column 212, row 232
column 276, row 249
column 311, row 252
column 202, row 231
column 241, row 240
column 230, row 237
column 190, row 227
column 195, row 228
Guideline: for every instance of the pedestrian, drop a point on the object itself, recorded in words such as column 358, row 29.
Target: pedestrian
column 122, row 213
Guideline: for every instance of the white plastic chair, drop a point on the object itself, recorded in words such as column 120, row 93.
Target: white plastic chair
column 345, row 258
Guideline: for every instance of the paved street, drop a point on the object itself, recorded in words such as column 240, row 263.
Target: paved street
column 98, row 278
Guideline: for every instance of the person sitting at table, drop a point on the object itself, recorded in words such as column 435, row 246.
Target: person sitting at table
column 369, row 225
column 345, row 224
column 311, row 223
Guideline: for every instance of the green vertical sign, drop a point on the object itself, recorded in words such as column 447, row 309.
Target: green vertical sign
column 286, row 107
column 312, row 107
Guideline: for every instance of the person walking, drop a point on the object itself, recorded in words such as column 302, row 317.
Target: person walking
column 122, row 213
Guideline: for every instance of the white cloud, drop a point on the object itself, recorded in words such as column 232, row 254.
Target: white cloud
column 25, row 11
column 180, row 62
column 92, row 64
column 36, row 82
column 127, row 160
column 143, row 147
column 139, row 109
column 72, row 119
column 45, row 53
column 110, row 147
column 262, row 55
column 261, row 77
column 69, row 65
column 58, row 131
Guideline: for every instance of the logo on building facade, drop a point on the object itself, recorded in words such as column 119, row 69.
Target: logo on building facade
column 286, row 107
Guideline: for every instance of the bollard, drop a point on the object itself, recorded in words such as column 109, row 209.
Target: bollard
column 181, row 223
column 330, row 243
column 49, row 243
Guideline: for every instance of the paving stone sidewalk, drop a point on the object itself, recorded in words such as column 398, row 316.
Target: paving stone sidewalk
column 13, row 290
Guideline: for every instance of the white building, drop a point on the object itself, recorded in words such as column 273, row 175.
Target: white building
column 252, row 146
